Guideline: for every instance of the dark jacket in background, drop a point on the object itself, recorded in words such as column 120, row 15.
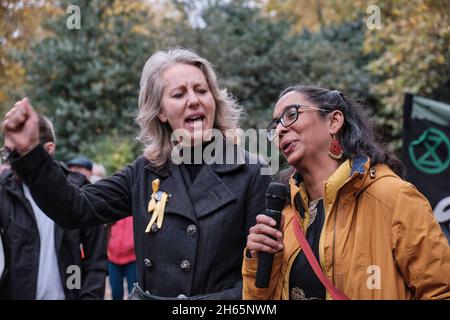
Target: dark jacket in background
column 199, row 248
column 22, row 245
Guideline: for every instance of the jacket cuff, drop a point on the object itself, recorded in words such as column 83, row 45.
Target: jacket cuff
column 250, row 265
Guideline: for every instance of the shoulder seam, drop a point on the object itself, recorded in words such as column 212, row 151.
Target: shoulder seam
column 381, row 200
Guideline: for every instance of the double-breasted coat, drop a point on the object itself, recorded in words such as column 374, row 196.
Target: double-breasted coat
column 198, row 250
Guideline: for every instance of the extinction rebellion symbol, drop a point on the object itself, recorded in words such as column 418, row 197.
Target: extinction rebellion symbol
column 431, row 152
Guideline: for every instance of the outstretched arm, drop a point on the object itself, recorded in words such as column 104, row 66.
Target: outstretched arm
column 68, row 205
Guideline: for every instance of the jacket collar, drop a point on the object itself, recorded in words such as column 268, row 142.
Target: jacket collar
column 344, row 175
column 166, row 169
column 359, row 176
column 12, row 184
column 359, row 165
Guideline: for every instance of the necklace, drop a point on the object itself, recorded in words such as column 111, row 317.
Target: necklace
column 313, row 210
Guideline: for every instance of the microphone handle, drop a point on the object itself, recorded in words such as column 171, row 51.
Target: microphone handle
column 265, row 260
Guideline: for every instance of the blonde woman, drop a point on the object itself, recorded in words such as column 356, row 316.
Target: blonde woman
column 190, row 220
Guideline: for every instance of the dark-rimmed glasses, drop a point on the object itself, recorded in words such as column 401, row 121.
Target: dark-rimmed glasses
column 287, row 118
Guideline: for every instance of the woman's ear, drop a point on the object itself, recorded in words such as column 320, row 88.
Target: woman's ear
column 162, row 116
column 336, row 121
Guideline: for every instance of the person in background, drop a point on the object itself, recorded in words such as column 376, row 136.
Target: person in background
column 98, row 172
column 372, row 234
column 121, row 257
column 82, row 165
column 122, row 260
column 4, row 167
column 43, row 261
column 2, row 260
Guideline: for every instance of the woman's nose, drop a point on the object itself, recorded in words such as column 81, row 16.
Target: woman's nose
column 193, row 100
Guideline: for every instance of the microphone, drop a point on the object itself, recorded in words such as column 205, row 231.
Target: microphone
column 276, row 196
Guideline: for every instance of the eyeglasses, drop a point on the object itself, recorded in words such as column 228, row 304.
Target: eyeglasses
column 287, row 118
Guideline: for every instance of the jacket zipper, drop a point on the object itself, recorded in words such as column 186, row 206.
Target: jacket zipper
column 322, row 247
column 334, row 239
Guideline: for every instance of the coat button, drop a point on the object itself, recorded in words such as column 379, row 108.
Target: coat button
column 185, row 266
column 191, row 230
column 148, row 263
column 154, row 228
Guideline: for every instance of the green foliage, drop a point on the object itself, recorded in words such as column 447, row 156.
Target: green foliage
column 256, row 56
column 411, row 54
column 113, row 151
column 317, row 14
column 20, row 23
column 87, row 80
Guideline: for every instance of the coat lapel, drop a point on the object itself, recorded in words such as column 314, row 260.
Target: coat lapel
column 209, row 193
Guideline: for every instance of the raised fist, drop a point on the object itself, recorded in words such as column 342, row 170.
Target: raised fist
column 21, row 127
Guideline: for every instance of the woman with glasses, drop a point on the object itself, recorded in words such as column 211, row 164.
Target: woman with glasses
column 370, row 234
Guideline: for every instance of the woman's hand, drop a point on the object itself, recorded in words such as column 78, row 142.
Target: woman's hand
column 21, row 127
column 261, row 236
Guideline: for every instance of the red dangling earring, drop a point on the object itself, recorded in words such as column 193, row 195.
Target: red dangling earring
column 335, row 151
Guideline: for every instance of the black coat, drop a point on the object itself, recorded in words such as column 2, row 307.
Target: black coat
column 199, row 248
column 22, row 244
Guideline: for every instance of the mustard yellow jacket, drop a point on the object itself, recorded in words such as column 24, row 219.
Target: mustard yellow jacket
column 379, row 240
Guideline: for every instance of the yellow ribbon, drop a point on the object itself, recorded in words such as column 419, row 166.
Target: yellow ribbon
column 156, row 205
column 152, row 202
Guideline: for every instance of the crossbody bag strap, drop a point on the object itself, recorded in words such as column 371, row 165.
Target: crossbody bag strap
column 336, row 294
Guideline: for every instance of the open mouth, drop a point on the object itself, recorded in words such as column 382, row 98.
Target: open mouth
column 195, row 120
column 287, row 146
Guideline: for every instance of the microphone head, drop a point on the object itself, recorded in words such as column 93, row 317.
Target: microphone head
column 276, row 196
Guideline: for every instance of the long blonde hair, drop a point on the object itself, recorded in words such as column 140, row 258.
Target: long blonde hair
column 155, row 135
